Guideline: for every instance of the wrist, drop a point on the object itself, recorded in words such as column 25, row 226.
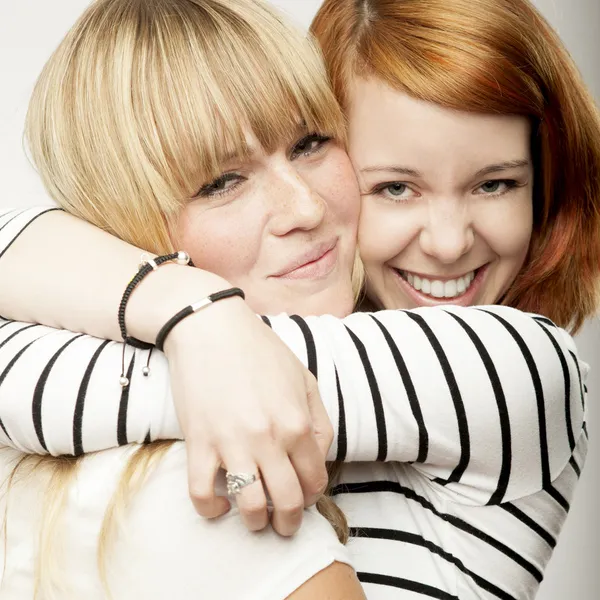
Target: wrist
column 165, row 292
column 205, row 329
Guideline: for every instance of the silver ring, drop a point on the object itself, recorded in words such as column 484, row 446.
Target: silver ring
column 237, row 481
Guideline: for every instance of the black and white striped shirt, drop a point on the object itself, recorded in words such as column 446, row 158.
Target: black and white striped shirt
column 475, row 418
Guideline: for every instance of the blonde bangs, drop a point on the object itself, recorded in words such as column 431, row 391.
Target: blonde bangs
column 263, row 78
column 145, row 100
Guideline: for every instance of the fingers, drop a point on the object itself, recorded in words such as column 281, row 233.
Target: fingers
column 308, row 463
column 323, row 429
column 251, row 499
column 288, row 452
column 203, row 465
column 281, row 482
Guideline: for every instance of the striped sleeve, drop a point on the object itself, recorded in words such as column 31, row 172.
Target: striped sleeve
column 60, row 393
column 13, row 221
column 487, row 402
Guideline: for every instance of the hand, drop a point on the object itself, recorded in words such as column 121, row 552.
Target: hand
column 245, row 402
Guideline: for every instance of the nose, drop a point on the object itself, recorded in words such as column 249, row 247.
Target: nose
column 296, row 205
column 448, row 233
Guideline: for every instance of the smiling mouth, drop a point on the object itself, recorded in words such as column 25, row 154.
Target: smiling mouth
column 435, row 288
column 319, row 268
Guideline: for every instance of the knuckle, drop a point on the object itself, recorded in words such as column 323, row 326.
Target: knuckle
column 254, row 508
column 298, row 429
column 223, row 435
column 292, row 509
column 259, row 429
column 200, row 493
column 320, row 484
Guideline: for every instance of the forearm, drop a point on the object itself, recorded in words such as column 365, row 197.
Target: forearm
column 62, row 272
column 424, row 391
column 449, row 389
column 487, row 402
column 60, row 393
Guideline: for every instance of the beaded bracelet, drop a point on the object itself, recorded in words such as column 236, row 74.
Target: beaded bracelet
column 191, row 309
column 146, row 267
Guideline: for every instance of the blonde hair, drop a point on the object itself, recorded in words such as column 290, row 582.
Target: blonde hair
column 144, row 100
column 133, row 113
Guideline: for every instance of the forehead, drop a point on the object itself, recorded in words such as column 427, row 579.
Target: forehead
column 387, row 125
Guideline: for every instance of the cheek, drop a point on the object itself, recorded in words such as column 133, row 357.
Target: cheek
column 384, row 231
column 338, row 186
column 508, row 230
column 220, row 241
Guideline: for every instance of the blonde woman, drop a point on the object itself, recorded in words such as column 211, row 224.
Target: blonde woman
column 356, row 361
column 159, row 129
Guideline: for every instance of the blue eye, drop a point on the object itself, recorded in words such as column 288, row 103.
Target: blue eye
column 491, row 186
column 396, row 189
column 497, row 187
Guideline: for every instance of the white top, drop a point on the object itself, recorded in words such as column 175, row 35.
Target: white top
column 479, row 412
column 163, row 549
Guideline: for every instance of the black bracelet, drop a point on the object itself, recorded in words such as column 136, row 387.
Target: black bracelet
column 191, row 309
column 146, row 267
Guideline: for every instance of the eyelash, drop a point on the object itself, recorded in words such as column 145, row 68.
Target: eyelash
column 380, row 189
column 311, row 137
column 510, row 184
column 208, row 191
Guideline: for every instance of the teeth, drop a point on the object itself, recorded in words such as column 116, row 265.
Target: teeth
column 450, row 289
column 437, row 289
column 440, row 289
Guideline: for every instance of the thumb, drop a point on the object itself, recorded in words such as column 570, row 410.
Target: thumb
column 323, row 428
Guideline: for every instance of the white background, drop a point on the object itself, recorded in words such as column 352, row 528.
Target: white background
column 30, row 29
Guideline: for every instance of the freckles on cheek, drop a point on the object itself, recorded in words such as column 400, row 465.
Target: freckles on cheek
column 341, row 191
column 210, row 246
column 226, row 255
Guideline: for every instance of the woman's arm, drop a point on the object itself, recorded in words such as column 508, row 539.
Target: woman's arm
column 486, row 401
column 60, row 271
column 458, row 391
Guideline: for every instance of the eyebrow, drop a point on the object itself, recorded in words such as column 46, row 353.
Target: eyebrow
column 392, row 169
column 503, row 166
column 494, row 168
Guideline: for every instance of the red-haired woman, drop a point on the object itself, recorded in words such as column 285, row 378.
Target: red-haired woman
column 420, row 81
column 477, row 151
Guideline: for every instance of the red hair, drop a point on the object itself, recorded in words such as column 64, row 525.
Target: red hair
column 494, row 56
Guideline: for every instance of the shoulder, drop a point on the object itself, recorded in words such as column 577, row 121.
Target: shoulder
column 338, row 581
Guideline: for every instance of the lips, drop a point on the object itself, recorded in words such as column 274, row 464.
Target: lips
column 316, row 262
